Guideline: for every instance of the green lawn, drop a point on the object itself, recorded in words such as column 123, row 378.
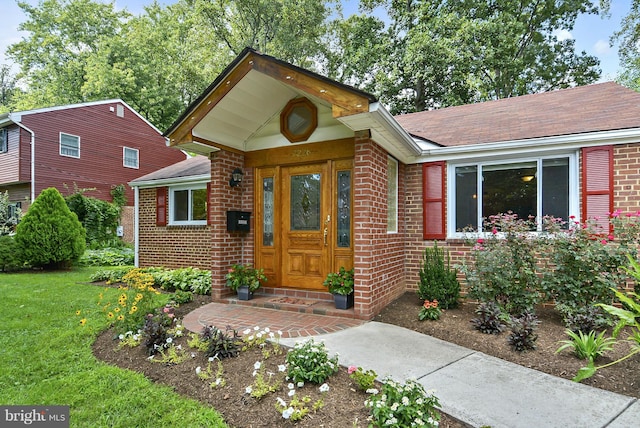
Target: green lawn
column 46, row 359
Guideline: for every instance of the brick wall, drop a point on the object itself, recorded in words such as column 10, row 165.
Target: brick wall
column 170, row 246
column 228, row 248
column 379, row 256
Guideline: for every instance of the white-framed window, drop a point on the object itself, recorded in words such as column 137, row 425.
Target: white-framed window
column 4, row 140
column 392, row 195
column 529, row 187
column 130, row 157
column 188, row 205
column 69, row 145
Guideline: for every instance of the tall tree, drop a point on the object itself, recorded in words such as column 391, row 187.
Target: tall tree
column 290, row 30
column 629, row 38
column 450, row 52
column 62, row 35
column 8, row 88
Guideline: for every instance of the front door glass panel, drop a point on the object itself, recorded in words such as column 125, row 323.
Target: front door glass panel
column 344, row 209
column 305, row 202
column 267, row 212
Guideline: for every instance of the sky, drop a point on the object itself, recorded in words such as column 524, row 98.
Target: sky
column 591, row 33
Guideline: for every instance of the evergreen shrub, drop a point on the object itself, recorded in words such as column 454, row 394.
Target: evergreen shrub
column 438, row 281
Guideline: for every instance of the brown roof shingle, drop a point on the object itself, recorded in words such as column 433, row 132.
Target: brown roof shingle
column 599, row 107
column 197, row 165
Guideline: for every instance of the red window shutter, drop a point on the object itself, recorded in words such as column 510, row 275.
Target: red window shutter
column 209, row 222
column 433, row 200
column 161, row 206
column 597, row 184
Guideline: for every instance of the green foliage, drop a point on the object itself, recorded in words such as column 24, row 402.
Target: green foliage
column 490, row 318
column 504, row 266
column 309, row 361
column 111, row 276
column 340, row 282
column 430, row 311
column 99, row 218
column 122, row 256
column 246, row 275
column 50, row 235
column 7, row 224
column 437, row 280
column 523, row 336
column 221, row 344
column 118, row 195
column 585, row 260
column 194, row 280
column 403, row 405
column 41, row 320
column 180, row 297
column 364, row 379
column 10, row 258
column 587, row 346
column 584, row 319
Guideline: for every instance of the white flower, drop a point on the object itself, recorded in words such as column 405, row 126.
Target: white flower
column 300, row 384
column 198, row 370
column 248, row 389
column 419, row 401
column 324, row 388
column 259, row 335
column 256, row 328
column 281, row 402
column 271, row 335
column 257, row 365
column 405, row 401
column 121, row 337
column 279, row 333
column 169, row 339
column 266, row 330
column 250, row 338
column 282, row 368
column 394, row 407
column 179, row 347
column 287, row 413
column 290, row 386
column 291, row 392
column 193, row 355
column 150, row 358
column 129, row 332
column 211, row 359
column 255, row 372
column 218, row 381
column 372, row 391
column 247, row 331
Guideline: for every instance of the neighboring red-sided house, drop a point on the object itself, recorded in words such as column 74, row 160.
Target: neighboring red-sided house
column 332, row 179
column 95, row 145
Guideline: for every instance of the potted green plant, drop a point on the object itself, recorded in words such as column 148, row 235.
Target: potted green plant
column 340, row 284
column 244, row 280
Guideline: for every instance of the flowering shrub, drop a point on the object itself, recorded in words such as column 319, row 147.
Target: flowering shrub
column 309, row 361
column 207, row 374
column 504, row 265
column 156, row 335
column 364, row 379
column 403, row 405
column 340, row 282
column 584, row 263
column 430, row 311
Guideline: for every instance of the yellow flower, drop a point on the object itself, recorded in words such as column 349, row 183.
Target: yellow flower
column 83, row 321
column 123, row 296
column 116, row 310
column 120, row 317
column 110, row 315
column 139, row 297
column 133, row 309
column 78, row 312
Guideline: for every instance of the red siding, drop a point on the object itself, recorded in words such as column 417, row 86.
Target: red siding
column 102, row 137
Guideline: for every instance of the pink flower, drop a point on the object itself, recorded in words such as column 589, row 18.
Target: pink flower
column 603, row 242
column 616, row 213
column 352, row 369
column 494, row 231
column 480, row 241
column 611, row 237
column 572, row 217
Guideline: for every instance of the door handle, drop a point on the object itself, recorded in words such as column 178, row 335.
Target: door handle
column 325, row 234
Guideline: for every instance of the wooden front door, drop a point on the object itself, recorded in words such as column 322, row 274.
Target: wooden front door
column 306, row 219
column 303, row 223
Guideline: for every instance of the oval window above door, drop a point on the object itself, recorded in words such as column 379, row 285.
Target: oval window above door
column 298, row 120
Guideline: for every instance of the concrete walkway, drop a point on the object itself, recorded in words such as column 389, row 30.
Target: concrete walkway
column 476, row 388
column 473, row 387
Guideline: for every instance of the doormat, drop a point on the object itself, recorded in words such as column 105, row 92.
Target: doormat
column 292, row 301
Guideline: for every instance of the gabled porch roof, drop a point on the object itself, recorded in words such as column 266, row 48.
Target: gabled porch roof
column 240, row 110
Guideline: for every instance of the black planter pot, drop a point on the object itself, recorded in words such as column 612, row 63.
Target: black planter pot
column 343, row 301
column 244, row 293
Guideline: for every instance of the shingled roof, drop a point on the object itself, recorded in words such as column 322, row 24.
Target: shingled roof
column 599, row 107
column 194, row 166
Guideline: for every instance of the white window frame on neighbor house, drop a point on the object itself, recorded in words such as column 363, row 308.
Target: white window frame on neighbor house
column 174, row 197
column 126, row 160
column 573, row 191
column 68, row 147
column 392, row 195
column 4, row 140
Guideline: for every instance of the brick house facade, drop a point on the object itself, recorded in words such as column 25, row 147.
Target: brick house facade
column 391, row 186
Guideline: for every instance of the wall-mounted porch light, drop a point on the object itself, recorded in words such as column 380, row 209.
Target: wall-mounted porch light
column 236, row 177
